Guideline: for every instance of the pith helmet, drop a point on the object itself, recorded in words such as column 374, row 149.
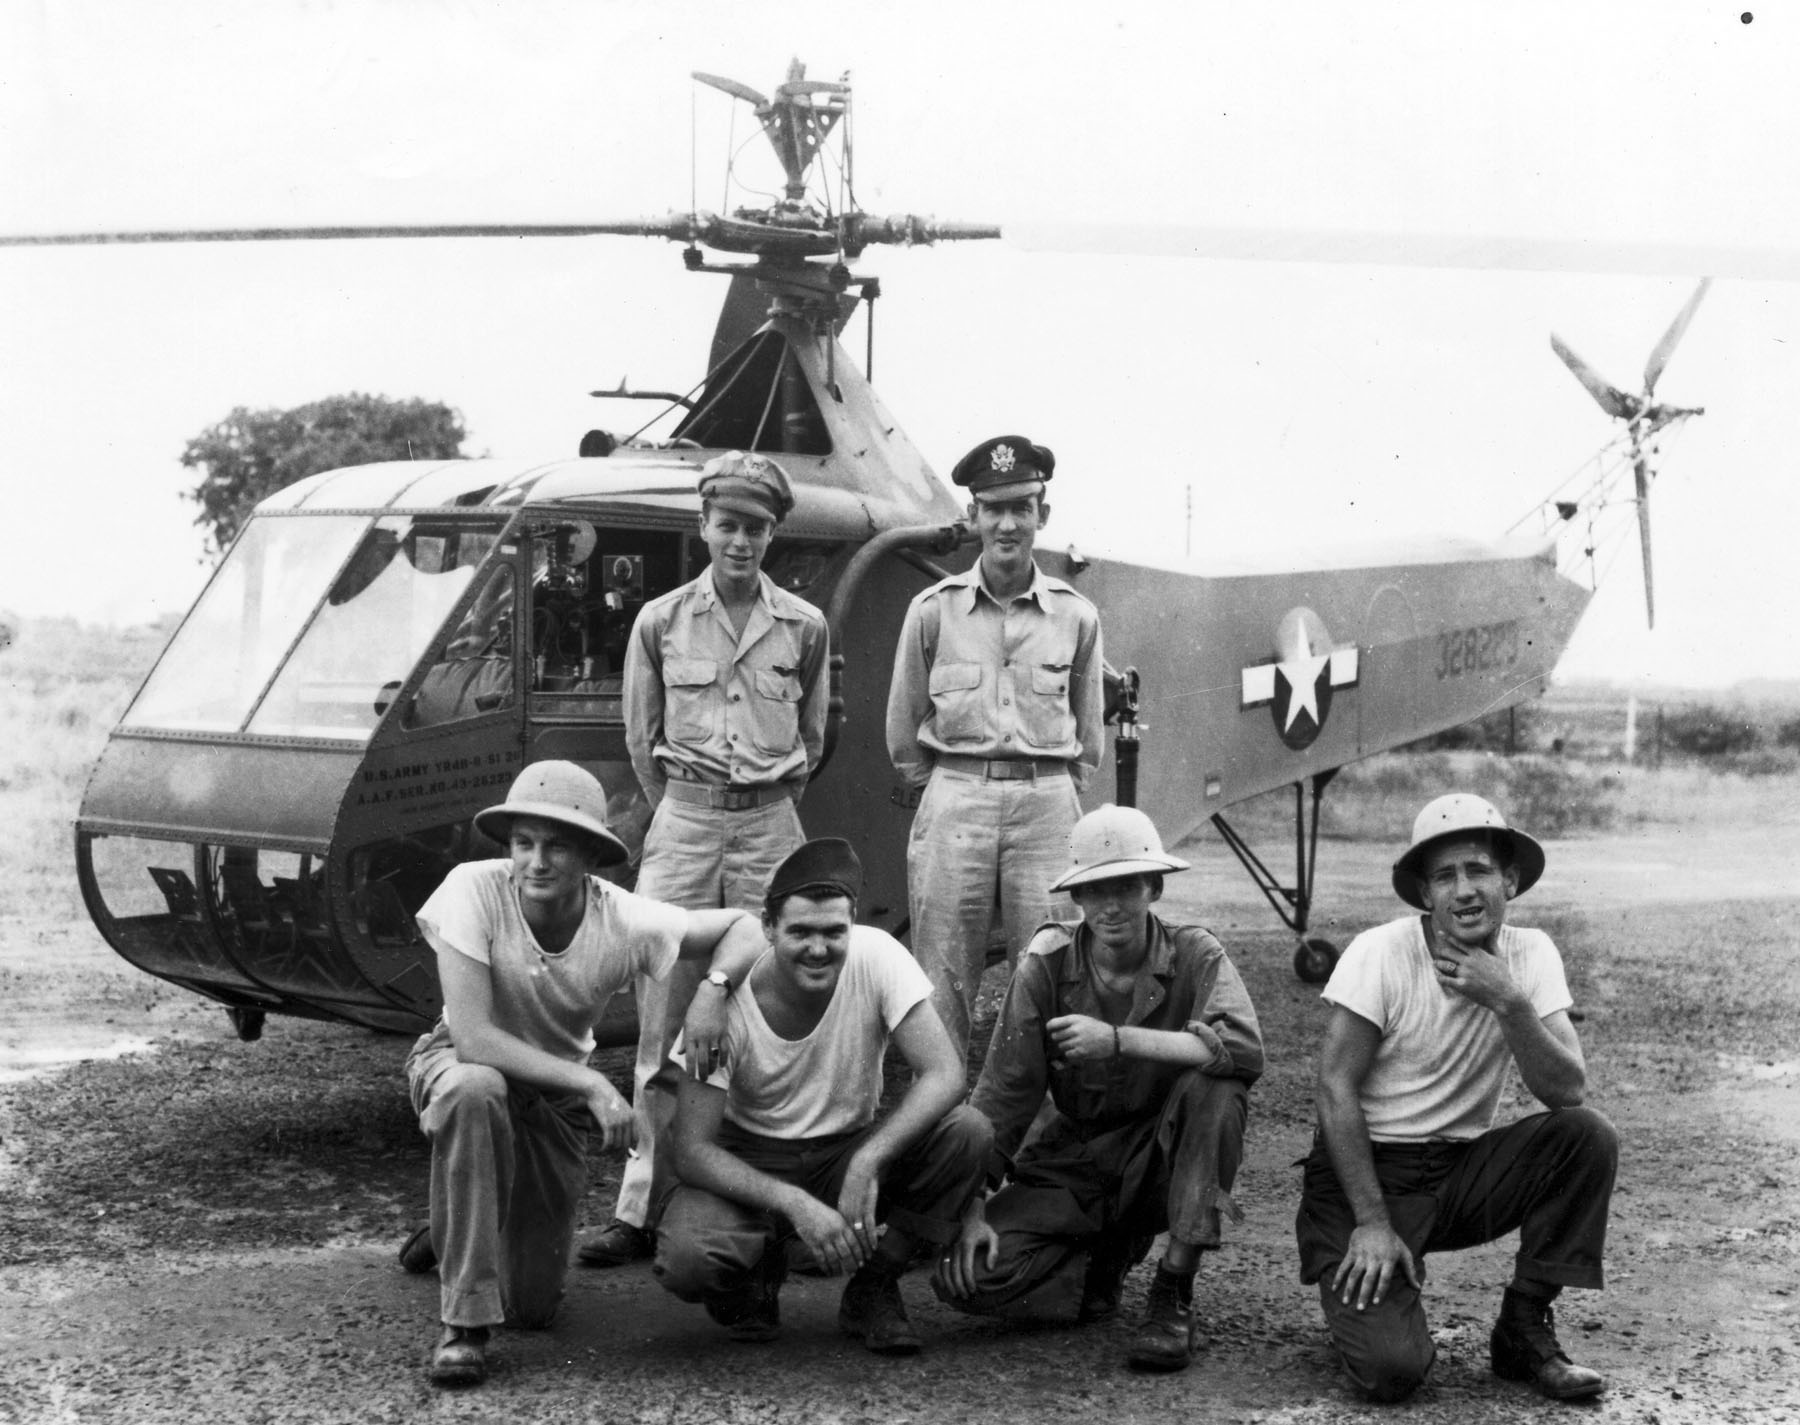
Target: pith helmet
column 1461, row 814
column 559, row 792
column 1115, row 841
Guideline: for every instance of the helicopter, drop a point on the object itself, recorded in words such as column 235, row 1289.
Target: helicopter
column 385, row 646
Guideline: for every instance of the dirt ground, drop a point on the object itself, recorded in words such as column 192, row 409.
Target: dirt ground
column 194, row 1228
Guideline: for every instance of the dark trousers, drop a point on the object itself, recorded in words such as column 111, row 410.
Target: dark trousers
column 1549, row 1176
column 1075, row 1197
column 707, row 1245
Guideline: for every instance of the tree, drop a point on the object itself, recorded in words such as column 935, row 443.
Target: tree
column 250, row 455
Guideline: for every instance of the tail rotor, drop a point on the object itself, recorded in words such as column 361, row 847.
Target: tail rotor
column 1643, row 417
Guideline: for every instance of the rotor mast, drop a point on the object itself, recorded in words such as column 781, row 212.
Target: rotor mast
column 799, row 122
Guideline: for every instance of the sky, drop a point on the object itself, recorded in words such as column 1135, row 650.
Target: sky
column 1227, row 405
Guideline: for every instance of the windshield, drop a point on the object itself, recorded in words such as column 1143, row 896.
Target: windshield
column 369, row 595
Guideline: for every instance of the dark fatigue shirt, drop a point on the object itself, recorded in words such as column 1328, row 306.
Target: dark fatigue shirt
column 1187, row 984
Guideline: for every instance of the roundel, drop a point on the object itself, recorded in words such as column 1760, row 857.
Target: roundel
column 1297, row 683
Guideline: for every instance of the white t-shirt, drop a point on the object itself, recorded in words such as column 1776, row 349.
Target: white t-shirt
column 830, row 1081
column 551, row 1001
column 1442, row 1060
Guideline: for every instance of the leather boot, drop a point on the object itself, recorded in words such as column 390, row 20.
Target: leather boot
column 873, row 1309
column 461, row 1356
column 1105, row 1281
column 1524, row 1347
column 618, row 1244
column 753, row 1314
column 1164, row 1341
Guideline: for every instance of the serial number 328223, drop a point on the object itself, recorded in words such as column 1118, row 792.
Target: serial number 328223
column 1476, row 650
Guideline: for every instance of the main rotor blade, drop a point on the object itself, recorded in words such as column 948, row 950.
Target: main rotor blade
column 732, row 87
column 1612, row 400
column 1395, row 249
column 320, row 234
column 1642, row 473
column 1653, row 369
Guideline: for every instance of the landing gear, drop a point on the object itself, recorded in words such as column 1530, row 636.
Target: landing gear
column 1313, row 959
column 1314, row 956
column 248, row 1023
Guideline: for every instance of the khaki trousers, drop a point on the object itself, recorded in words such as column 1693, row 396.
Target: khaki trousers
column 979, row 847
column 697, row 858
column 508, row 1165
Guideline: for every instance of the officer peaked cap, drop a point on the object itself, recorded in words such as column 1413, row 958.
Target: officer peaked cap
column 1005, row 468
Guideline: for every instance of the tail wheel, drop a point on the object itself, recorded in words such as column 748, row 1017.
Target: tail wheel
column 1313, row 959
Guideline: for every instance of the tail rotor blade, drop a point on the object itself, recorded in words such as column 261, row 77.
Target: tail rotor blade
column 1653, row 369
column 1642, row 471
column 1610, row 398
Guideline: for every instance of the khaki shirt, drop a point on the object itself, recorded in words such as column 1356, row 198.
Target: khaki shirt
column 707, row 706
column 979, row 678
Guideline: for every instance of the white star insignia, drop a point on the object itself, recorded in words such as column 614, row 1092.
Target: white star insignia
column 1302, row 674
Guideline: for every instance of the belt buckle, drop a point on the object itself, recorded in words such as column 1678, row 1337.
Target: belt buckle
column 737, row 798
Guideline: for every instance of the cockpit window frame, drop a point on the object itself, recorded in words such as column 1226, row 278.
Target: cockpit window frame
column 503, row 523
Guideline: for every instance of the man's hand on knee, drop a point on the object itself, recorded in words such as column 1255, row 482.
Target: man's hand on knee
column 956, row 1271
column 834, row 1245
column 1373, row 1258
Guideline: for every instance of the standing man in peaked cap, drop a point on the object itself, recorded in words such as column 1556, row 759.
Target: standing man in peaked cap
column 995, row 709
column 1429, row 1014
column 725, row 700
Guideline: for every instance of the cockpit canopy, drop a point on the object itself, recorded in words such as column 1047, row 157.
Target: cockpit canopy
column 309, row 619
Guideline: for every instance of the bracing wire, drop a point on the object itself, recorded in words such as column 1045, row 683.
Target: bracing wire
column 731, row 152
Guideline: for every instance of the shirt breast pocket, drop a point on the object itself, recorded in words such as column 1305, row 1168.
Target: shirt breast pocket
column 1044, row 715
column 777, row 709
column 956, row 701
column 692, row 712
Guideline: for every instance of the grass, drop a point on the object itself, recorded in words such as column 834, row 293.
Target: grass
column 63, row 686
column 1377, row 798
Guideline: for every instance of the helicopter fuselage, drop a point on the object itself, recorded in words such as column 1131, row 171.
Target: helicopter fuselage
column 385, row 646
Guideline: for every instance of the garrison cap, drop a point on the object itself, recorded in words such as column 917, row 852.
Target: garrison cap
column 825, row 867
column 750, row 484
column 1460, row 814
column 1007, row 467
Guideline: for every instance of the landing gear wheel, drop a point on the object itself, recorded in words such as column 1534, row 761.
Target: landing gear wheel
column 1313, row 959
column 247, row 1022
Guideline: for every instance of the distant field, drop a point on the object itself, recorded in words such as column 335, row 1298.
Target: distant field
column 62, row 687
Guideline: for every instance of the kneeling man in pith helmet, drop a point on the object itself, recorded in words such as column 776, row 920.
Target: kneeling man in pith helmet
column 1429, row 1013
column 1146, row 1040
column 530, row 947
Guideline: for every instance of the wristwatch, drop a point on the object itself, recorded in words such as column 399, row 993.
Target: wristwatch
column 719, row 978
